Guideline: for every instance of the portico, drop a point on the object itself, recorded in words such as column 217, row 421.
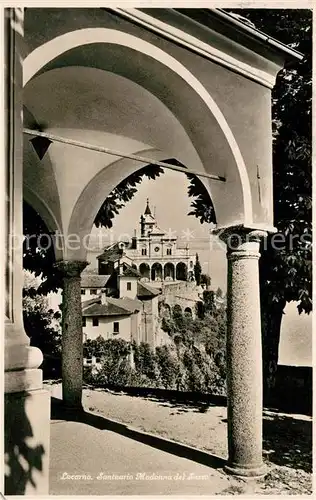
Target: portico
column 144, row 82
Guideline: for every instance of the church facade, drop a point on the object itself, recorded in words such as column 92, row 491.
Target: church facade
column 156, row 254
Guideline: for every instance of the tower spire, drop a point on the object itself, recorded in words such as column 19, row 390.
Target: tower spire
column 147, row 210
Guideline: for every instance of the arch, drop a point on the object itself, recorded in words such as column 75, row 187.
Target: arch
column 188, row 311
column 174, row 73
column 181, row 271
column 156, row 272
column 144, row 270
column 176, row 310
column 169, row 271
column 165, row 310
column 40, row 206
column 39, row 182
column 100, row 186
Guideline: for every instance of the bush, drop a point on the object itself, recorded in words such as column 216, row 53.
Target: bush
column 196, row 361
column 168, row 367
column 145, row 361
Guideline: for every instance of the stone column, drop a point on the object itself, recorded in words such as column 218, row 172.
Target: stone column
column 27, row 405
column 244, row 353
column 72, row 337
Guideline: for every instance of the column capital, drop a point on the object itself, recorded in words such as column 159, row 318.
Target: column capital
column 242, row 242
column 71, row 268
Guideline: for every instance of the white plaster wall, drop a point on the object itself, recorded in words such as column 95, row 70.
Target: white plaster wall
column 131, row 294
column 101, row 108
column 105, row 328
column 136, row 326
column 88, row 295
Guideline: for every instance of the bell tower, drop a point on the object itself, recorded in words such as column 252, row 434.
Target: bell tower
column 147, row 221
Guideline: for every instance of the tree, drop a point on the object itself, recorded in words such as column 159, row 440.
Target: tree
column 94, row 347
column 123, row 193
column 40, row 322
column 285, row 272
column 197, row 270
column 38, row 252
column 116, row 368
column 168, row 366
column 145, row 360
column 202, row 205
column 205, row 280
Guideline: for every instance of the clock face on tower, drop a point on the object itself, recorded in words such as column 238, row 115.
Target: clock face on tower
column 156, row 249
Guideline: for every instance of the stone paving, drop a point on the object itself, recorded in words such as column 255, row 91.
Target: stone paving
column 121, row 445
column 87, row 459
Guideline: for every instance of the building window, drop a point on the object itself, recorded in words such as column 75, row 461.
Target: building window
column 95, row 321
column 84, row 323
column 128, row 286
column 83, row 292
column 169, row 251
column 93, row 291
column 144, row 251
column 116, row 327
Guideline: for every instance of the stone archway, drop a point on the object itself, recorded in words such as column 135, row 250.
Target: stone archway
column 181, row 271
column 144, row 270
column 89, row 47
column 164, row 310
column 208, row 135
column 169, row 271
column 156, row 272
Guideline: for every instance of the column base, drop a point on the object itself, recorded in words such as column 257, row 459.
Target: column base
column 27, row 441
column 251, row 472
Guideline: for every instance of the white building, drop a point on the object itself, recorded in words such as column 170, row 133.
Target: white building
column 121, row 306
column 155, row 253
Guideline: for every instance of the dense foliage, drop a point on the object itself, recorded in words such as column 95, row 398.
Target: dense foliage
column 286, row 268
column 40, row 322
column 194, row 360
column 286, row 271
column 38, row 252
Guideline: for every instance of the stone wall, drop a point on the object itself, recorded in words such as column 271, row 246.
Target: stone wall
column 183, row 293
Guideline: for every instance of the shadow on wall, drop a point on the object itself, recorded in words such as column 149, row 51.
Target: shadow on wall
column 21, row 459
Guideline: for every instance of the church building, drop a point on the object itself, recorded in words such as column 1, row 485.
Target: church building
column 156, row 254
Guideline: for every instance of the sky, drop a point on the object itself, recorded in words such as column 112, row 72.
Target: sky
column 168, row 198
